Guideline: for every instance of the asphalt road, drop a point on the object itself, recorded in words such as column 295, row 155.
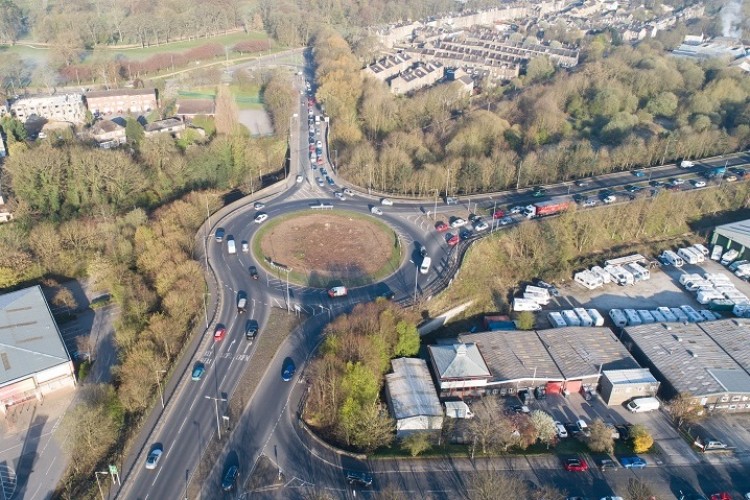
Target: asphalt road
column 193, row 416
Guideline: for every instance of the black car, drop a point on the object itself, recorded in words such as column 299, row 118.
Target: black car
column 465, row 234
column 540, row 393
column 623, row 431
column 230, row 477
column 655, row 184
column 473, row 217
column 359, row 478
column 220, row 232
column 251, row 329
column 579, row 198
column 739, row 172
column 254, row 272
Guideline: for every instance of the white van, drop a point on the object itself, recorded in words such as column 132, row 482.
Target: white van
column 640, row 405
column 424, row 268
column 231, row 248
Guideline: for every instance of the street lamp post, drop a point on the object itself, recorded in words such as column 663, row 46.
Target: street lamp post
column 216, row 407
column 158, row 382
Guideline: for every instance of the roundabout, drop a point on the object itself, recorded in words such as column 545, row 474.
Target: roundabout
column 322, row 249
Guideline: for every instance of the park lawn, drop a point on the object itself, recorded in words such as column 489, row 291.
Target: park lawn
column 144, row 52
column 246, row 97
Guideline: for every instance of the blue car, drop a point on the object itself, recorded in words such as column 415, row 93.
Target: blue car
column 639, row 173
column 330, row 181
column 287, row 370
column 198, row 371
column 633, row 462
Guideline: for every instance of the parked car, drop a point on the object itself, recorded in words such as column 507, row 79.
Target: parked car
column 457, row 222
column 540, row 393
column 722, row 495
column 579, row 198
column 219, row 332
column 576, row 465
column 452, row 239
column 623, row 431
column 697, row 183
column 677, row 181
column 319, row 181
column 480, row 225
column 153, row 458
column 348, row 192
column 198, row 371
column 505, row 221
column 339, row 195
column 499, row 214
column 299, row 179
column 589, row 203
column 330, row 181
column 633, row 462
column 632, row 189
column 441, row 227
column 583, row 428
column 608, row 464
column 465, row 234
column 560, row 430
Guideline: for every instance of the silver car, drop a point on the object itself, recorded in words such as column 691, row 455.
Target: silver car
column 153, row 458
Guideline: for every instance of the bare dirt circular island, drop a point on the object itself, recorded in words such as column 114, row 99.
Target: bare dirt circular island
column 326, row 247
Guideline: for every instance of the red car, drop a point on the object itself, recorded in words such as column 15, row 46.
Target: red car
column 320, row 160
column 576, row 465
column 498, row 215
column 452, row 239
column 219, row 332
column 441, row 227
column 721, row 496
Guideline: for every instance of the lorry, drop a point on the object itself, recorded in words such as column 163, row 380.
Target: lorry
column 337, row 291
column 545, row 208
column 641, row 405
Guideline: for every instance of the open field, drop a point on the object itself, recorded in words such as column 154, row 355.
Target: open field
column 322, row 248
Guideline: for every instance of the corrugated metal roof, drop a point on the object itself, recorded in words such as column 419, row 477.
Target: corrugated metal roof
column 458, row 361
column 630, row 376
column 411, row 389
column 29, row 339
column 736, row 231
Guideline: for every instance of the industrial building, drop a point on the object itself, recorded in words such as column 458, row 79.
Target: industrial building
column 459, row 368
column 561, row 360
column 708, row 361
column 412, row 398
column 734, row 235
column 619, row 386
column 33, row 356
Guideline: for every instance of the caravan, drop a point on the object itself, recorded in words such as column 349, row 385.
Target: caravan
column 634, row 319
column 669, row 257
column 701, row 249
column 688, row 255
column 525, row 305
column 583, row 316
column 596, row 317
column 556, row 320
column 604, row 275
column 588, row 279
column 639, row 272
column 571, row 318
column 618, row 318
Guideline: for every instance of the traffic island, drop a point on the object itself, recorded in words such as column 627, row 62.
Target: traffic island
column 321, row 249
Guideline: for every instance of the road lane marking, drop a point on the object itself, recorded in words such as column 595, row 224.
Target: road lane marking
column 184, row 421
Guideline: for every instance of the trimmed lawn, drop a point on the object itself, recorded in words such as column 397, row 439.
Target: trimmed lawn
column 246, row 98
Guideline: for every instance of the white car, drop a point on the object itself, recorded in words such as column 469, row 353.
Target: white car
column 686, row 164
column 245, row 247
column 677, row 181
column 153, row 459
column 260, row 218
column 560, row 429
column 376, row 211
column 609, row 199
column 339, row 195
column 299, row 179
column 319, row 144
column 348, row 192
column 589, row 203
column 258, row 205
column 458, row 222
column 699, row 183
column 319, row 181
column 506, row 220
column 386, row 201
column 516, row 210
column 480, row 225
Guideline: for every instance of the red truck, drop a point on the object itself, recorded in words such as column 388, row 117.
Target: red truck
column 545, row 208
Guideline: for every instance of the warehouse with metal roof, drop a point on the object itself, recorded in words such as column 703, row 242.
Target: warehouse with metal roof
column 735, row 235
column 706, row 361
column 33, row 358
column 412, row 397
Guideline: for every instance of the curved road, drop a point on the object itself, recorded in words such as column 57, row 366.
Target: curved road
column 267, row 427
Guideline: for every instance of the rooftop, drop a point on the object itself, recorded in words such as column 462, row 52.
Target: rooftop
column 195, row 107
column 689, row 359
column 514, row 355
column 629, row 376
column 29, row 339
column 736, row 231
column 411, row 389
column 119, row 92
column 458, row 361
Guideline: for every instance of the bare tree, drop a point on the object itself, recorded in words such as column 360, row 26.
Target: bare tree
column 492, row 484
column 684, row 410
column 545, row 427
column 638, row 490
column 227, row 114
column 601, row 439
column 484, row 426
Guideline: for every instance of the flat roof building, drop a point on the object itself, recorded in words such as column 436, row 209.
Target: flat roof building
column 620, row 386
column 33, row 358
column 412, row 397
column 706, row 361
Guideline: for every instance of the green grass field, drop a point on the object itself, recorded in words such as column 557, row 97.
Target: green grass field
column 246, row 97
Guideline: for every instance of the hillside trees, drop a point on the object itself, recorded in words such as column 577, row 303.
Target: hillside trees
column 280, row 100
column 348, row 375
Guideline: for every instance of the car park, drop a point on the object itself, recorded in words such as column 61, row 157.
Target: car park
column 359, row 478
column 452, row 239
column 457, row 222
column 245, row 247
column 562, row 433
column 261, row 218
column 198, row 371
column 576, row 465
column 258, row 205
column 386, row 202
column 376, row 211
column 287, row 370
column 219, row 332
column 152, row 460
column 697, row 183
column 441, row 227
column 633, row 462
column 230, row 478
column 220, row 232
column 254, row 272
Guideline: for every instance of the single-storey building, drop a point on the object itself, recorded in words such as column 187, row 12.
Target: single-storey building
column 187, row 109
column 459, row 369
column 708, row 361
column 735, row 235
column 33, row 358
column 110, row 132
column 412, row 398
column 171, row 126
column 560, row 360
column 619, row 386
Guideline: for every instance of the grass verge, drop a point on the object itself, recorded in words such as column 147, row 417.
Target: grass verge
column 306, row 279
column 279, row 326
